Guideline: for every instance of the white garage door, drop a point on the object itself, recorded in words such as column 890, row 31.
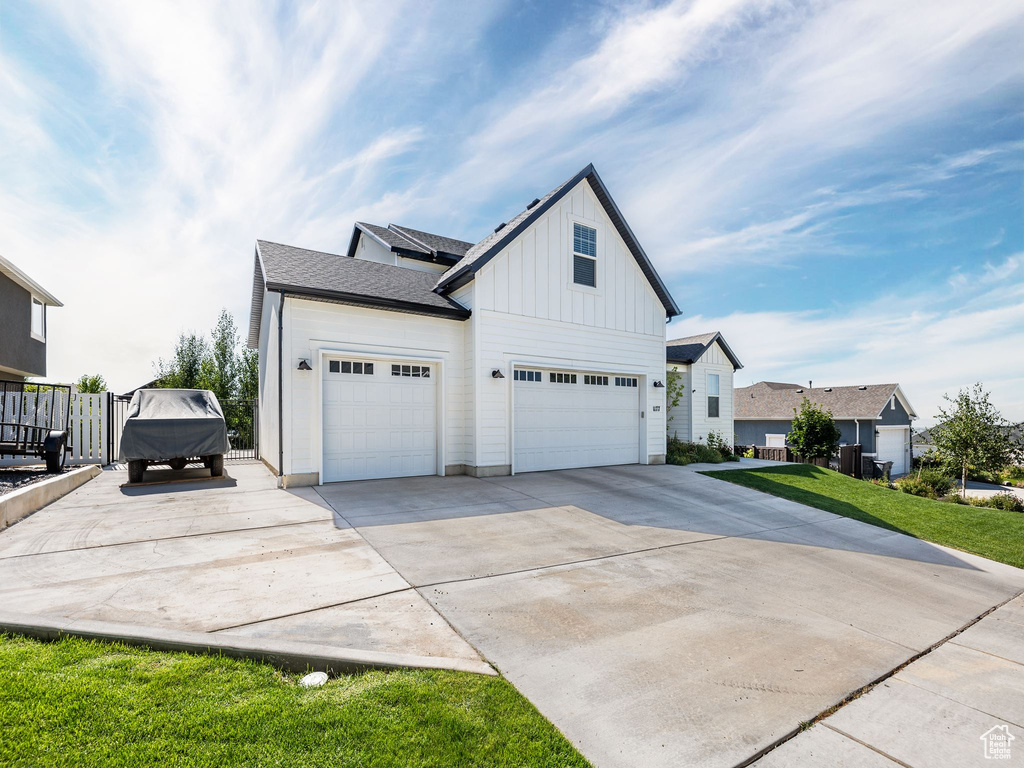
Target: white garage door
column 892, row 446
column 379, row 420
column 565, row 419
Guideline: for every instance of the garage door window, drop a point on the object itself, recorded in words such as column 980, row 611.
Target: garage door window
column 415, row 371
column 519, row 375
column 625, row 381
column 350, row 366
column 599, row 380
column 563, row 378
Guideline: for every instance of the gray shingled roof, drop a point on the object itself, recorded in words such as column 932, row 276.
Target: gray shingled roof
column 436, row 243
column 772, row 400
column 688, row 349
column 332, row 277
column 491, row 245
column 484, row 245
column 391, row 238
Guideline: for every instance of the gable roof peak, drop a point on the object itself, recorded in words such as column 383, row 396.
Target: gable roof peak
column 481, row 253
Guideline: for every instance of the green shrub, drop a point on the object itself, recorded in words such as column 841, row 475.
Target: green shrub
column 955, row 498
column 681, row 453
column 915, row 486
column 1006, row 501
column 720, row 444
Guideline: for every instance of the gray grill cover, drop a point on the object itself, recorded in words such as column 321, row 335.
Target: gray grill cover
column 173, row 423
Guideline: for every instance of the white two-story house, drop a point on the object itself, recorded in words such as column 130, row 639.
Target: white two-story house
column 540, row 347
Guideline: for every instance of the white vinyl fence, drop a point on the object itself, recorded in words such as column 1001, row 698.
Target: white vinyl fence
column 87, row 428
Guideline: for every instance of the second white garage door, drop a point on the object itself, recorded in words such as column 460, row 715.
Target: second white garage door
column 565, row 419
column 379, row 420
column 892, row 446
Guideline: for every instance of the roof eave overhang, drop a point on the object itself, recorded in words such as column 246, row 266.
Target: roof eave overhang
column 898, row 392
column 370, row 302
column 26, row 282
column 256, row 308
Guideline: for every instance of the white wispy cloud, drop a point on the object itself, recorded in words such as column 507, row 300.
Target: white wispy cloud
column 727, row 126
column 931, row 342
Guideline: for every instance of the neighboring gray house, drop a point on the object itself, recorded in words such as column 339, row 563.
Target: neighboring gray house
column 878, row 416
column 23, row 304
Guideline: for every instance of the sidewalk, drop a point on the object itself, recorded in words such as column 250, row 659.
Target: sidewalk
column 945, row 709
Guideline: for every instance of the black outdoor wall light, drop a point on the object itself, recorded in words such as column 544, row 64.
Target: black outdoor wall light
column 304, row 366
column 497, row 374
column 658, row 385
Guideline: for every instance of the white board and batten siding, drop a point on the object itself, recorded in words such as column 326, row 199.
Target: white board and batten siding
column 689, row 420
column 714, row 360
column 268, row 375
column 528, row 312
column 319, row 331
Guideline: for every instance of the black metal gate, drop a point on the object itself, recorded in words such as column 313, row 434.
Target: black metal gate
column 241, row 416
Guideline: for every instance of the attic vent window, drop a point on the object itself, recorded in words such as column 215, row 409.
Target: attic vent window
column 533, row 203
column 584, row 255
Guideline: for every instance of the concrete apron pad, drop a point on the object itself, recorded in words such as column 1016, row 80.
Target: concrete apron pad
column 256, row 565
column 286, row 654
column 22, row 502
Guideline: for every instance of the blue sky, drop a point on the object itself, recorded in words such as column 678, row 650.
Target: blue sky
column 835, row 186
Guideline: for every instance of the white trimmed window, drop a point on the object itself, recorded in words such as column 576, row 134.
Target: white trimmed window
column 584, row 255
column 713, row 396
column 38, row 320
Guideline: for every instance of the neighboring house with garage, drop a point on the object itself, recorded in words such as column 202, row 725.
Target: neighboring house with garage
column 541, row 346
column 704, row 365
column 878, row 416
column 23, row 304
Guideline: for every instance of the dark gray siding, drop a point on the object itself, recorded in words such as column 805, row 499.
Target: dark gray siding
column 753, row 432
column 899, row 416
column 18, row 349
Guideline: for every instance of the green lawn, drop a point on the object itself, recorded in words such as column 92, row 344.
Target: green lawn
column 81, row 703
column 992, row 533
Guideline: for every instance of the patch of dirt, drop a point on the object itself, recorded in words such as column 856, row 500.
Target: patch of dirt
column 12, row 478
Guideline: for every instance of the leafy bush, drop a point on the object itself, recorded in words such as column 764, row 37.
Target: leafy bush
column 913, row 485
column 1005, row 501
column 683, row 453
column 814, row 433
column 749, row 453
column 955, row 498
column 720, row 444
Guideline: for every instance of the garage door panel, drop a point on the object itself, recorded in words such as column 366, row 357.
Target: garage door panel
column 378, row 425
column 563, row 425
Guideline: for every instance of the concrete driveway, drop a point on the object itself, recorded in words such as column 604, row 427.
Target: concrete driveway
column 660, row 617
column 210, row 559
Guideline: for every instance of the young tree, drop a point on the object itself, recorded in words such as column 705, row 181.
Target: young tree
column 91, row 384
column 972, row 433
column 190, row 367
column 675, row 388
column 223, row 373
column 814, row 433
column 249, row 374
